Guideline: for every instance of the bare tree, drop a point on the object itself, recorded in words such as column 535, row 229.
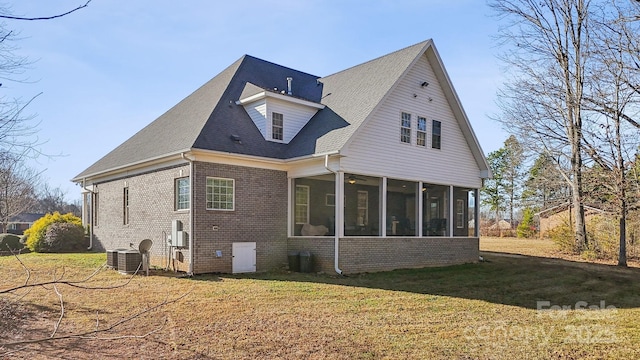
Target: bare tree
column 546, row 46
column 17, row 128
column 613, row 96
column 17, row 187
column 544, row 188
column 50, row 199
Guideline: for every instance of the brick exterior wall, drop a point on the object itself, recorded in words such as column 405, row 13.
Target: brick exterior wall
column 260, row 216
column 373, row 254
column 151, row 210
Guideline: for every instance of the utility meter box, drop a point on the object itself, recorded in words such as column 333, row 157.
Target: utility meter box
column 179, row 238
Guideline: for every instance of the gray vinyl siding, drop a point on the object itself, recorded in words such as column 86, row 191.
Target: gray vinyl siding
column 258, row 113
column 295, row 117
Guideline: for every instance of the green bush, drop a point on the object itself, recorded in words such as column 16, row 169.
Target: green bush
column 63, row 237
column 10, row 241
column 527, row 227
column 36, row 234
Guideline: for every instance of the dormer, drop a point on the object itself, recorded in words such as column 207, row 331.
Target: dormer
column 278, row 114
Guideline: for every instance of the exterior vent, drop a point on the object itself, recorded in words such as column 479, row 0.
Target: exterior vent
column 289, row 80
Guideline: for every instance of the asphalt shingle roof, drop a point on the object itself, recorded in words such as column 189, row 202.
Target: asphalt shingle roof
column 209, row 117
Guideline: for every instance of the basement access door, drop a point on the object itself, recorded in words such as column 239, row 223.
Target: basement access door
column 244, row 257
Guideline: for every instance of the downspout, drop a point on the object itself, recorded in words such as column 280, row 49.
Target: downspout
column 92, row 208
column 192, row 247
column 336, row 239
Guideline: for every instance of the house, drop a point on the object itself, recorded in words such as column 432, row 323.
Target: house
column 19, row 223
column 373, row 168
column 562, row 214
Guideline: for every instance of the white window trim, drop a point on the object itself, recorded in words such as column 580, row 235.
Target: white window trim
column 233, row 199
column 433, row 134
column 418, row 131
column 402, row 127
column 365, row 219
column 460, row 213
column 176, row 190
column 273, row 126
column 295, row 208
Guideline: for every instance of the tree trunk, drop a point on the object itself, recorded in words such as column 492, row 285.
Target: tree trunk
column 622, row 257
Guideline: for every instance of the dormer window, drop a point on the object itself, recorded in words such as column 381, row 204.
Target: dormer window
column 277, row 126
column 268, row 108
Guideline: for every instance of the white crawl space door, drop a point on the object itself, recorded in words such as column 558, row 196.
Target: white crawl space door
column 244, row 257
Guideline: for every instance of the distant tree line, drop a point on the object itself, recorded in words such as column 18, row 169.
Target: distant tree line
column 571, row 100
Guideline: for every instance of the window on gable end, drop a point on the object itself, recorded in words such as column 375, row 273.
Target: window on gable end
column 421, row 133
column 436, row 134
column 405, row 128
column 277, row 126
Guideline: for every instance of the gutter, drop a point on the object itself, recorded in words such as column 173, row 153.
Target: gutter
column 84, row 187
column 192, row 247
column 336, row 239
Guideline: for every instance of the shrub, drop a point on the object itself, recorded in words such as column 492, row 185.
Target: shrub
column 562, row 235
column 63, row 237
column 527, row 227
column 10, row 241
column 35, row 235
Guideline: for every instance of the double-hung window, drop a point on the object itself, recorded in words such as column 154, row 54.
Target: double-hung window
column 277, row 126
column 436, row 133
column 363, row 208
column 220, row 194
column 302, row 204
column 421, row 133
column 182, row 193
column 460, row 213
column 405, row 128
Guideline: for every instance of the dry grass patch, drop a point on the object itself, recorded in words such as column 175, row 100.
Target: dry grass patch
column 538, row 247
column 476, row 311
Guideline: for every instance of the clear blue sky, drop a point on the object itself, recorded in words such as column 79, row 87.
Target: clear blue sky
column 108, row 70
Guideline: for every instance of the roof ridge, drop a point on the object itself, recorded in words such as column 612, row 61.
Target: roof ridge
column 378, row 58
column 279, row 65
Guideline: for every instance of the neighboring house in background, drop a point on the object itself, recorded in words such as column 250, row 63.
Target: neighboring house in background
column 561, row 214
column 21, row 222
column 372, row 168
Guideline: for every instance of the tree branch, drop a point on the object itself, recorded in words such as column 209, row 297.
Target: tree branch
column 45, row 17
column 90, row 335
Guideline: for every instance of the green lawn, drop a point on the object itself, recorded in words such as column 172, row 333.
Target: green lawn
column 487, row 310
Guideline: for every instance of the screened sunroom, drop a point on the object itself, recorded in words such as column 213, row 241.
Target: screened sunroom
column 380, row 207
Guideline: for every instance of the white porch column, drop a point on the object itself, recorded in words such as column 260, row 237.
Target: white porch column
column 383, row 207
column 451, row 209
column 339, row 210
column 476, row 213
column 290, row 208
column 420, row 203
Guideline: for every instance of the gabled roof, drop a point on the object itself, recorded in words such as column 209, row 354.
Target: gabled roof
column 25, row 218
column 351, row 96
column 209, row 117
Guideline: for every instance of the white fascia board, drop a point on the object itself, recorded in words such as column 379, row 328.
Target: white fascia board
column 158, row 160
column 267, row 94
